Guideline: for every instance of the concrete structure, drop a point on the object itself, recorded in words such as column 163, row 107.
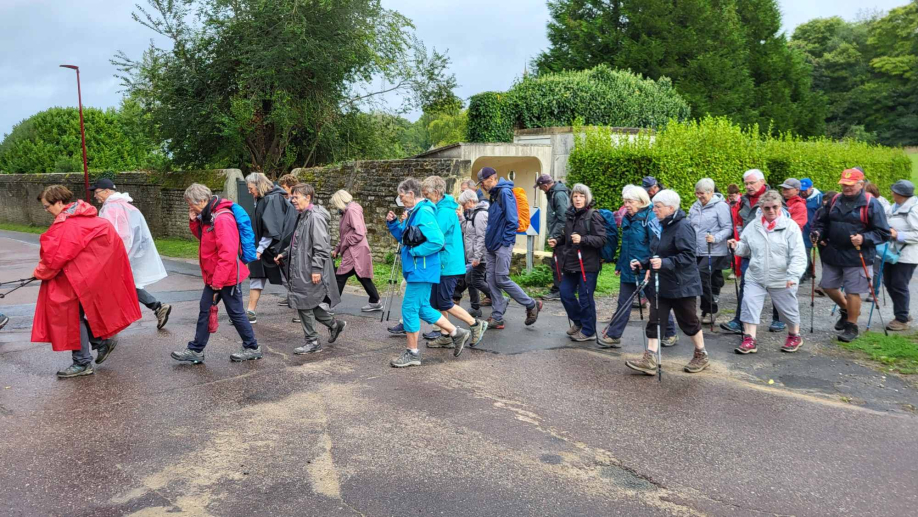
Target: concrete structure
column 562, row 142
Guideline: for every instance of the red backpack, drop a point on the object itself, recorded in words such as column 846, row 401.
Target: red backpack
column 864, row 209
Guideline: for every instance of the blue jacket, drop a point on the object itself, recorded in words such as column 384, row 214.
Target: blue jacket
column 813, row 204
column 640, row 235
column 837, row 224
column 420, row 263
column 503, row 219
column 452, row 256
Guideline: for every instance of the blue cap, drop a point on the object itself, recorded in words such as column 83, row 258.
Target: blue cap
column 806, row 184
column 485, row 173
column 649, row 181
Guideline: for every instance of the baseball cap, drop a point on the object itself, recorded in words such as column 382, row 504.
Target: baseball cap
column 485, row 173
column 791, row 183
column 806, row 184
column 851, row 176
column 102, row 184
column 544, row 179
column 649, row 181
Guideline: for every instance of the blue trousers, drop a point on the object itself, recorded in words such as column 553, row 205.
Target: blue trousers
column 232, row 300
column 577, row 298
column 626, row 289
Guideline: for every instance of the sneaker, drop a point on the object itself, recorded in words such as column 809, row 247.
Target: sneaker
column 336, row 331
column 444, row 341
column 640, row 303
column 894, row 325
column 372, row 307
column 605, row 341
column 246, row 354
column 406, row 359
column 283, row 303
column 433, row 334
column 486, row 302
column 162, row 315
column 478, row 332
column 748, row 346
column 580, row 337
column 842, row 320
column 850, row 333
column 4, row 320
column 189, row 356
column 75, row 370
column 296, row 319
column 308, row 348
column 551, row 295
column 494, row 324
column 708, row 319
column 732, row 326
column 777, row 326
column 792, row 344
column 459, row 341
column 105, row 348
column 532, row 313
column 573, row 330
column 397, row 330
column 647, row 363
column 699, row 362
column 670, row 341
column 253, row 318
column 475, row 313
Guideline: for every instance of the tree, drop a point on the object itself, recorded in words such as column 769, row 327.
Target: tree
column 266, row 79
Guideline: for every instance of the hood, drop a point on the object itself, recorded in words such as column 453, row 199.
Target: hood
column 782, row 221
column 484, row 203
column 717, row 198
column 815, row 193
column 501, row 184
column 78, row 208
column 677, row 216
column 796, row 200
column 448, row 203
column 909, row 203
column 423, row 202
column 320, row 211
column 118, row 196
column 276, row 191
column 573, row 211
column 559, row 187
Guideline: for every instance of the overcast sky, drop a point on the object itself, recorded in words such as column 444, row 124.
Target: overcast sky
column 489, row 41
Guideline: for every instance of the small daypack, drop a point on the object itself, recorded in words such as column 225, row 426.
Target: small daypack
column 247, row 250
column 522, row 208
column 608, row 249
column 474, row 215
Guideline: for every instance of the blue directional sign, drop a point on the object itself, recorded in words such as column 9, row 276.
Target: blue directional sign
column 535, row 223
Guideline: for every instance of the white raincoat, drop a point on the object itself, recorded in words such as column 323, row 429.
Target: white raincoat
column 138, row 241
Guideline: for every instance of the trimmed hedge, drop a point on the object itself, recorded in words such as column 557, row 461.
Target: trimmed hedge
column 682, row 153
column 600, row 96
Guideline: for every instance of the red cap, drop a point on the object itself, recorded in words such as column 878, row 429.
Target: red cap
column 851, row 177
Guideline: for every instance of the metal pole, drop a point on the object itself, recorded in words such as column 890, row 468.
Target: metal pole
column 82, row 130
column 530, row 240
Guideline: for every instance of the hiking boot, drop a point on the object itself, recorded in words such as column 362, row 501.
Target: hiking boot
column 475, row 313
column 573, row 330
column 580, row 337
column 819, row 292
column 75, row 370
column 105, row 348
column 708, row 319
column 253, row 318
column 283, row 303
column 309, row 348
column 777, row 326
column 850, row 333
column 189, row 356
column 444, row 341
column 433, row 334
column 372, row 307
column 792, row 343
column 894, row 325
column 397, row 330
column 246, row 354
column 605, row 341
column 670, row 341
column 532, row 313
column 842, row 320
column 406, row 359
column 4, row 320
column 748, row 346
column 494, row 324
column 639, row 303
column 699, row 362
column 647, row 363
column 478, row 332
column 486, row 302
column 551, row 295
column 162, row 315
column 336, row 331
column 459, row 340
column 732, row 326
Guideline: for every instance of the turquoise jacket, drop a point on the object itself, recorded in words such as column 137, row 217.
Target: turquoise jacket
column 420, row 263
column 452, row 256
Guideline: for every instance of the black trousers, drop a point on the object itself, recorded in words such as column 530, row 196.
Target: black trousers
column 684, row 310
column 476, row 282
column 896, row 278
column 711, row 283
column 367, row 284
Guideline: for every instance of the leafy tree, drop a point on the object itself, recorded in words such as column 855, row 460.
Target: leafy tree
column 449, row 128
column 267, row 79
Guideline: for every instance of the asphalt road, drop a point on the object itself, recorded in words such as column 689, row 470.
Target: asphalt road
column 528, row 425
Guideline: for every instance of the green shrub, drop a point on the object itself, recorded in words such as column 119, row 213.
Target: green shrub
column 490, row 118
column 540, row 276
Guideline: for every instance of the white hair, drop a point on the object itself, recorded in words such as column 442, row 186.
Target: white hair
column 580, row 188
column 636, row 193
column 468, row 196
column 668, row 198
column 196, row 193
column 704, row 185
column 754, row 173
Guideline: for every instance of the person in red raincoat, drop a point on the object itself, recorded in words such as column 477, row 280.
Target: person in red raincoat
column 87, row 291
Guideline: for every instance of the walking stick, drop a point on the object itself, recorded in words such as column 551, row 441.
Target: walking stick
column 656, row 288
column 870, row 285
column 879, row 285
column 392, row 273
column 640, row 290
column 22, row 283
column 710, row 288
column 813, row 291
column 21, row 280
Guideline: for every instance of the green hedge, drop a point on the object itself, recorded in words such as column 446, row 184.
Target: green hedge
column 600, row 96
column 682, row 153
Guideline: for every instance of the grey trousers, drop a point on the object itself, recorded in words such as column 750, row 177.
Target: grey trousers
column 147, row 299
column 83, row 356
column 308, row 318
column 784, row 301
column 499, row 280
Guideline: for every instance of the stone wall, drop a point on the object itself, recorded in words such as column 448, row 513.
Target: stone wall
column 373, row 184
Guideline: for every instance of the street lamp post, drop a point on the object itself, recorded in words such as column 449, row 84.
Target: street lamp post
column 82, row 130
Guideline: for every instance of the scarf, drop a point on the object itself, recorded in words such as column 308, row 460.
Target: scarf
column 770, row 227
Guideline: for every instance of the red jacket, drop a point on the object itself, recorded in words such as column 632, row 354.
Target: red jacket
column 218, row 253
column 797, row 208
column 83, row 262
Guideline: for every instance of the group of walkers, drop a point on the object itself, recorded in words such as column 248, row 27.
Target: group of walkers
column 94, row 269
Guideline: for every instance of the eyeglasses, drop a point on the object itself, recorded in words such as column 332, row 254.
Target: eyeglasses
column 46, row 207
column 770, row 208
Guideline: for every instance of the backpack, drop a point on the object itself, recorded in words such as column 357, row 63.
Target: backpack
column 864, row 209
column 475, row 213
column 608, row 249
column 247, row 250
column 522, row 208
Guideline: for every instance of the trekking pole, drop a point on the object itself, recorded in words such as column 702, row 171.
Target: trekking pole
column 813, row 292
column 22, row 283
column 21, row 280
column 710, row 287
column 835, row 307
column 640, row 290
column 656, row 288
column 392, row 273
column 879, row 285
column 870, row 285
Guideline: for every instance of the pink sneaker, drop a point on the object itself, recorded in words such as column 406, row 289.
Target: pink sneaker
column 792, row 344
column 749, row 345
